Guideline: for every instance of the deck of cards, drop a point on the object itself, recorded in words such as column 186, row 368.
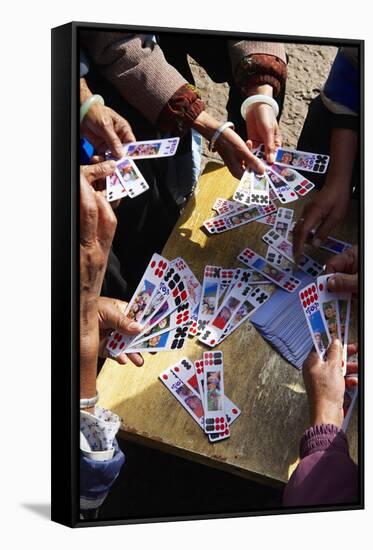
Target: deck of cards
column 199, row 388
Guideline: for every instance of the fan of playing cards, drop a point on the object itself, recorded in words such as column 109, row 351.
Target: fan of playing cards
column 199, row 388
column 170, row 303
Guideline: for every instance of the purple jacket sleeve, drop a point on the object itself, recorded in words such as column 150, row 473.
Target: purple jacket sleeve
column 326, row 474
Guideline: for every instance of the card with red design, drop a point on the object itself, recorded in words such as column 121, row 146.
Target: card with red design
column 187, row 398
column 218, row 224
column 151, row 149
column 215, row 419
column 282, row 189
column 179, row 317
column 281, row 278
column 294, row 179
column 232, row 412
column 309, row 298
column 144, row 293
column 184, row 369
column 225, row 206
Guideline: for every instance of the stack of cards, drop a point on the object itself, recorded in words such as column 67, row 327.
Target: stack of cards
column 199, row 388
column 127, row 180
column 282, row 323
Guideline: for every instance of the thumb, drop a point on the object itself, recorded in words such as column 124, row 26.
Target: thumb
column 124, row 324
column 343, row 282
column 269, row 145
column 99, row 170
column 334, row 354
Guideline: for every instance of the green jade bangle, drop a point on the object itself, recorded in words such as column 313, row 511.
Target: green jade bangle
column 88, row 104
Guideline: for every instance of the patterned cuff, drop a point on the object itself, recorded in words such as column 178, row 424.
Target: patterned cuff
column 99, row 429
column 319, row 438
column 259, row 69
column 179, row 113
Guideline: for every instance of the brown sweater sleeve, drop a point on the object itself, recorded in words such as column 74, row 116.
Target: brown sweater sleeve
column 256, row 63
column 136, row 67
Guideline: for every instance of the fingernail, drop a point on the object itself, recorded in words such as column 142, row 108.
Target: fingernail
column 331, row 284
column 316, row 243
column 112, row 164
column 271, row 158
column 337, row 342
column 134, row 327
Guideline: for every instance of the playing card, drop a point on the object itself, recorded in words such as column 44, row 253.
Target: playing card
column 144, row 293
column 131, row 178
column 210, row 296
column 180, row 316
column 185, row 371
column 212, row 332
column 349, row 401
column 218, row 224
column 334, row 245
column 279, row 277
column 294, row 179
column 215, row 419
column 242, row 193
column 259, row 190
column 283, row 191
column 315, row 318
column 285, row 248
column 151, row 149
column 282, row 224
column 174, row 339
column 224, row 207
column 185, row 395
column 267, row 220
column 309, row 162
column 232, row 412
column 336, row 307
column 232, row 314
column 114, row 188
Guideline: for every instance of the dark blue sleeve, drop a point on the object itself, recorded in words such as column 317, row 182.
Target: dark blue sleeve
column 96, row 478
column 342, row 85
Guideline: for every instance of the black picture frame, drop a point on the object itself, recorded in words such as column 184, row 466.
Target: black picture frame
column 65, row 274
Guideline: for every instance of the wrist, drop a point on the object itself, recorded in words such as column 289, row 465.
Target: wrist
column 206, row 125
column 262, row 89
column 327, row 414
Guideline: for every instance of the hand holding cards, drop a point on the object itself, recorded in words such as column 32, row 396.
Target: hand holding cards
column 127, row 179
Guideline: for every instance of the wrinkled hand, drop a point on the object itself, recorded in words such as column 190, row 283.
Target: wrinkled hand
column 97, row 228
column 346, row 266
column 322, row 213
column 325, row 386
column 237, row 154
column 262, row 127
column 111, row 317
column 106, row 129
column 96, row 173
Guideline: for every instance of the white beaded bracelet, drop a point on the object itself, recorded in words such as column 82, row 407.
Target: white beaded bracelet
column 218, row 133
column 259, row 98
column 89, row 402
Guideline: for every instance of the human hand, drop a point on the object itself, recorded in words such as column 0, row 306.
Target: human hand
column 322, row 213
column 111, row 317
column 106, row 129
column 233, row 150
column 346, row 266
column 325, row 385
column 262, row 127
column 237, row 154
column 97, row 228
